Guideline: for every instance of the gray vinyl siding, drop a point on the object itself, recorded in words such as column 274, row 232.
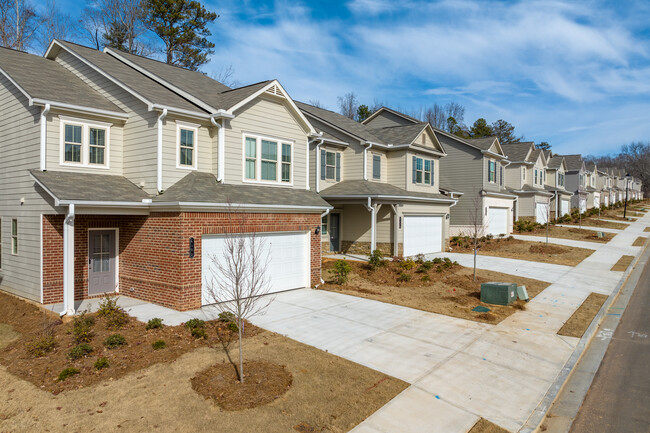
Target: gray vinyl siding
column 462, row 171
column 386, row 119
column 572, row 181
column 140, row 135
column 268, row 118
column 19, row 152
column 514, row 178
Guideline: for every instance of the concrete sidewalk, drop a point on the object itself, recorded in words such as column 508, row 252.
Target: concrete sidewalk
column 559, row 241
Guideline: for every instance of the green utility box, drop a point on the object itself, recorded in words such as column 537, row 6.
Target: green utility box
column 498, row 293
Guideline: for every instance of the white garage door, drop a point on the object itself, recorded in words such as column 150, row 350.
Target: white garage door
column 288, row 254
column 422, row 234
column 596, row 200
column 606, row 200
column 497, row 220
column 541, row 213
column 565, row 207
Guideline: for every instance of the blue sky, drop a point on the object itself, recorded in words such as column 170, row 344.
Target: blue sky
column 575, row 74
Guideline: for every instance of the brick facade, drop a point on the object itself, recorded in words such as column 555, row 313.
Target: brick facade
column 154, row 262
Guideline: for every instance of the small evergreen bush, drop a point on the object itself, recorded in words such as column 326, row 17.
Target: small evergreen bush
column 66, row 373
column 80, row 351
column 101, row 363
column 155, row 323
column 115, row 340
column 158, row 344
column 341, row 271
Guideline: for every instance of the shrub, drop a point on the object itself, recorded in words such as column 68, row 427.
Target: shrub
column 115, row 315
column 427, row 265
column 419, row 258
column 404, row 277
column 437, row 261
column 115, row 340
column 158, row 344
column 199, row 333
column 80, row 351
column 42, row 346
column 425, row 278
column 226, row 316
column 155, row 323
column 82, row 328
column 407, row 264
column 195, row 323
column 341, row 271
column 376, row 260
column 66, row 373
column 101, row 363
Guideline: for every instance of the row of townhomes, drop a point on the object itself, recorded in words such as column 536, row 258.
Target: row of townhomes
column 122, row 173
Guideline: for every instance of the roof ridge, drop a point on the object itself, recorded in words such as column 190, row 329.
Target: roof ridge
column 244, row 87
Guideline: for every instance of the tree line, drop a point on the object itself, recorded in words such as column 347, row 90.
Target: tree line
column 633, row 159
column 176, row 30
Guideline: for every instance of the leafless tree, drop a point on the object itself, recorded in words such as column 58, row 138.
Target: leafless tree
column 348, row 105
column 238, row 276
column 18, row 24
column 226, row 76
column 55, row 25
column 477, row 226
column 316, row 103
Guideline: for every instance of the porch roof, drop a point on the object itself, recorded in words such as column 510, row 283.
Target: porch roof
column 88, row 187
column 361, row 189
column 555, row 189
column 527, row 189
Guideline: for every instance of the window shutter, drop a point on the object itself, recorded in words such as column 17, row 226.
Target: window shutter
column 433, row 171
column 323, row 155
column 338, row 166
column 413, row 168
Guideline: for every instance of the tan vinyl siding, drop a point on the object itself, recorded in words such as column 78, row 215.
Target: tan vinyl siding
column 513, row 174
column 384, row 166
column 269, row 118
column 19, row 152
column 425, row 209
column 526, row 205
column 396, row 168
column 410, row 186
column 356, row 223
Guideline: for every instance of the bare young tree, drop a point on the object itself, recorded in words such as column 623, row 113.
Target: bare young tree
column 348, row 105
column 239, row 277
column 19, row 23
column 316, row 103
column 55, row 25
column 226, row 76
column 477, row 226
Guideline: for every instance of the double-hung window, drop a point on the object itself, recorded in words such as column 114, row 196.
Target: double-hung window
column 492, row 171
column 84, row 143
column 187, row 142
column 376, row 167
column 267, row 160
column 423, row 171
column 324, row 224
column 14, row 236
column 501, row 175
column 330, row 165
column 523, row 173
column 535, row 180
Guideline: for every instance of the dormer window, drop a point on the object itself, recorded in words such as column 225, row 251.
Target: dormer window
column 84, row 143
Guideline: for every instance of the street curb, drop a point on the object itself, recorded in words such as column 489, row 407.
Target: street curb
column 537, row 417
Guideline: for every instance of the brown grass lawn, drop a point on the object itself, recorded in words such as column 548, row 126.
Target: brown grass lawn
column 327, row 393
column 574, row 233
column 647, row 229
column 622, row 264
column 485, row 426
column 451, row 292
column 583, row 316
column 594, row 222
column 640, row 241
column 533, row 251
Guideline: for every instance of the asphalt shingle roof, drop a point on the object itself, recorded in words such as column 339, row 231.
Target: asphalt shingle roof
column 483, row 143
column 399, row 134
column 348, row 125
column 517, row 152
column 138, row 82
column 45, row 79
column 96, row 187
column 573, row 162
column 555, row 162
column 365, row 188
column 199, row 187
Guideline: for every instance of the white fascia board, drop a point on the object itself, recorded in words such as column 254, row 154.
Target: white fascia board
column 421, row 149
column 499, row 194
column 82, row 109
column 23, row 91
column 182, row 112
column 335, row 142
column 161, row 81
column 279, row 206
column 92, row 203
column 493, row 154
column 390, row 197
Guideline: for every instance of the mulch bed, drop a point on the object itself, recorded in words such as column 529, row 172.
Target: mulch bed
column 647, row 229
column 263, row 383
column 595, row 222
column 622, row 264
column 583, row 316
column 31, row 322
column 575, row 233
column 640, row 241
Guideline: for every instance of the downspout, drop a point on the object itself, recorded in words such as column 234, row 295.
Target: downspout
column 371, row 209
column 365, row 161
column 221, row 135
column 320, row 141
column 161, row 118
column 44, row 113
column 68, row 262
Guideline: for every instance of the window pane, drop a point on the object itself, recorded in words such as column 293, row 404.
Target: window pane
column 72, row 152
column 186, row 156
column 427, row 177
column 324, row 225
column 286, row 152
column 97, row 155
column 331, row 158
column 427, row 165
column 187, row 138
column 269, row 170
column 330, row 172
column 286, row 172
column 14, row 227
column 270, row 150
column 418, row 177
column 97, row 137
column 418, row 165
column 73, row 133
column 251, row 147
column 250, row 169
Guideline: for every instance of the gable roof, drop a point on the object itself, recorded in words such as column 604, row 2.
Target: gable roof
column 574, row 162
column 397, row 113
column 518, row 152
column 400, row 134
column 591, row 166
column 555, row 162
column 45, row 81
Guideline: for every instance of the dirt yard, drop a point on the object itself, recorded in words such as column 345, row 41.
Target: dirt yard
column 485, row 426
column 640, row 241
column 451, row 292
column 576, row 233
column 327, row 393
column 647, row 229
column 622, row 264
column 526, row 250
column 595, row 222
column 583, row 316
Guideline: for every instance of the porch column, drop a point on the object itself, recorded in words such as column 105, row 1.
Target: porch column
column 68, row 262
column 395, row 230
column 373, row 223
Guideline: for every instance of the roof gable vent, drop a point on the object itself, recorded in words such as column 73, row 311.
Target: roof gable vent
column 275, row 90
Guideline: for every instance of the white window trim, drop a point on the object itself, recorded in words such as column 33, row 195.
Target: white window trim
column 11, row 237
column 372, row 167
column 85, row 142
column 195, row 153
column 258, row 158
column 335, row 152
column 490, row 161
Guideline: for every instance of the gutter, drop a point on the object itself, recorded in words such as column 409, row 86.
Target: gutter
column 371, row 209
column 44, row 113
column 73, row 107
column 159, row 122
column 392, row 197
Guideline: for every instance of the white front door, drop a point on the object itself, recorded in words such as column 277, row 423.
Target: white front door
column 288, row 255
column 497, row 220
column 422, row 234
column 541, row 213
column 564, row 204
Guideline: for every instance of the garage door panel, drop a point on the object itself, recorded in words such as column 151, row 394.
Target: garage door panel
column 287, row 256
column 422, row 234
column 497, row 220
